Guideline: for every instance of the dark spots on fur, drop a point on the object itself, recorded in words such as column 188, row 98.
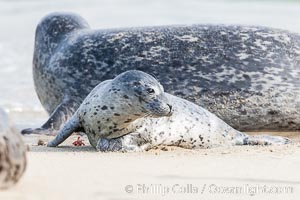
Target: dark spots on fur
column 128, row 120
column 84, row 113
column 110, row 127
column 208, row 140
column 201, row 138
column 272, row 112
column 116, row 114
column 98, row 122
column 107, row 119
column 104, row 108
column 179, row 142
column 161, row 133
column 112, row 107
column 120, row 129
column 291, row 123
column 244, row 112
column 137, row 115
column 197, row 119
column 246, row 76
column 126, row 97
column 136, row 83
column 140, row 99
column 95, row 113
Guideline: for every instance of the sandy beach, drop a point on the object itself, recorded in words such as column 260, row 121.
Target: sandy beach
column 248, row 172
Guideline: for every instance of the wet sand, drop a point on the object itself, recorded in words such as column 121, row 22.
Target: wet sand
column 70, row 172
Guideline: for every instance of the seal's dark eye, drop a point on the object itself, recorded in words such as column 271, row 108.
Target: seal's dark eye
column 150, row 91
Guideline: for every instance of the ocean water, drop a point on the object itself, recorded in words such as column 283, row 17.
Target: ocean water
column 18, row 19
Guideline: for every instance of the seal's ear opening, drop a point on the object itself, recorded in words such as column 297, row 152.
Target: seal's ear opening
column 54, row 26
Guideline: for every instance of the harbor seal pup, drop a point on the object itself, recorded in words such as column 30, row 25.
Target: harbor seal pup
column 133, row 113
column 12, row 153
column 248, row 76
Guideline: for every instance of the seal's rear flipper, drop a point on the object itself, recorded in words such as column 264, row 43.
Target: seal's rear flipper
column 60, row 115
column 266, row 140
column 71, row 126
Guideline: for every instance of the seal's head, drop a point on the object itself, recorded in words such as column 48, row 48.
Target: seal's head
column 146, row 90
column 54, row 27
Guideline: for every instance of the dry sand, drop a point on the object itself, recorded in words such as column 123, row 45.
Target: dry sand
column 243, row 172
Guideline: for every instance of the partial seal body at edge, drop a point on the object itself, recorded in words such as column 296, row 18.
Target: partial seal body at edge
column 12, row 153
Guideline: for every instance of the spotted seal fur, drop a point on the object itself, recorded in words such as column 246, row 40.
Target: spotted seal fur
column 248, row 76
column 133, row 113
column 12, row 153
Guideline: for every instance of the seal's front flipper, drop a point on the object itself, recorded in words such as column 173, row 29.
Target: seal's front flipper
column 106, row 145
column 129, row 143
column 71, row 126
column 60, row 115
column 266, row 140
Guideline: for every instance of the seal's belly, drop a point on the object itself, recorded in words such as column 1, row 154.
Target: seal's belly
column 191, row 126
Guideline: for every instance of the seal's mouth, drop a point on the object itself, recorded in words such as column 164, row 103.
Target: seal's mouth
column 170, row 113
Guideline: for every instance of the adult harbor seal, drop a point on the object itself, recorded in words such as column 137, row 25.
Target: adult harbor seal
column 12, row 153
column 133, row 113
column 248, row 76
